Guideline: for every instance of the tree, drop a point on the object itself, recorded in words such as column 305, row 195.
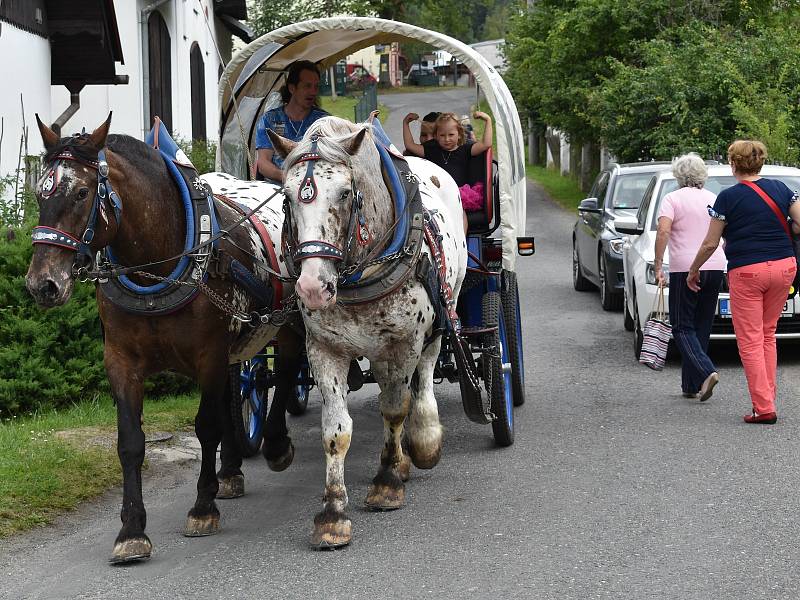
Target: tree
column 650, row 77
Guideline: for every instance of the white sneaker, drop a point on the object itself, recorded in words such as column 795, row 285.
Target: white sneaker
column 708, row 386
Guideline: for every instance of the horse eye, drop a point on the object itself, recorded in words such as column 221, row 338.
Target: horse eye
column 82, row 193
column 345, row 194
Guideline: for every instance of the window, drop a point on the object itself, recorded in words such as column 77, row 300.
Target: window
column 600, row 189
column 198, row 93
column 629, row 189
column 641, row 216
column 160, row 69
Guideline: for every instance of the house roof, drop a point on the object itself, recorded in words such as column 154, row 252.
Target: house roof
column 85, row 43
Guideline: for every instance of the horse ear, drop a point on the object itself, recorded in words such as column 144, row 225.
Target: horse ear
column 49, row 137
column 281, row 145
column 98, row 136
column 354, row 144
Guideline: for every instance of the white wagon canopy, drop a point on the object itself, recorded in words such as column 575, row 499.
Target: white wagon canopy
column 258, row 70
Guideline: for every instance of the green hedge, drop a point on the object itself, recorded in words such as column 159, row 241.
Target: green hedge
column 50, row 358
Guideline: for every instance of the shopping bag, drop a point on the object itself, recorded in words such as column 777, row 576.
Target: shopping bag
column 655, row 336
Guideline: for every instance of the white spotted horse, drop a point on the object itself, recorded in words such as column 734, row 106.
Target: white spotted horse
column 111, row 200
column 381, row 256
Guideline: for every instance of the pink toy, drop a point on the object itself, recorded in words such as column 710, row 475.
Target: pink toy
column 472, row 197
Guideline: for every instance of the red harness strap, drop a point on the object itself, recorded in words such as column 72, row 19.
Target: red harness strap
column 433, row 239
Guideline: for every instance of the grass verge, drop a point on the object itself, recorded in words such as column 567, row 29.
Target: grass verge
column 563, row 190
column 52, row 461
column 344, row 107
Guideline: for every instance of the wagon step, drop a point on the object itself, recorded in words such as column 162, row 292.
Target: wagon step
column 473, row 399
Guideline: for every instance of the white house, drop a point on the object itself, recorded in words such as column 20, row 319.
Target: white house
column 73, row 61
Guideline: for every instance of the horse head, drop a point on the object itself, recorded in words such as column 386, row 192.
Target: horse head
column 326, row 215
column 69, row 198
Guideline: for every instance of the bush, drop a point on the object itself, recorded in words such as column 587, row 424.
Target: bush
column 47, row 358
column 202, row 153
column 51, row 358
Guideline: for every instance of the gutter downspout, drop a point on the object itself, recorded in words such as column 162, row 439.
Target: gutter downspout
column 75, row 104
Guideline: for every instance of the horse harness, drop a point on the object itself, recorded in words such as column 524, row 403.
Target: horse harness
column 200, row 259
column 374, row 276
column 104, row 194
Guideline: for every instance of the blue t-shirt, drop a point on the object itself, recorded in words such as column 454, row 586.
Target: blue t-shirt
column 278, row 121
column 752, row 232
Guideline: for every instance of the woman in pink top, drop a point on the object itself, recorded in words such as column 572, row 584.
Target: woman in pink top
column 682, row 225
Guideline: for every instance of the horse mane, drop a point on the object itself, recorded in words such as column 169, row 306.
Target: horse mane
column 332, row 134
column 142, row 156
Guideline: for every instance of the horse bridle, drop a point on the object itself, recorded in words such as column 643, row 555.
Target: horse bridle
column 307, row 192
column 42, row 234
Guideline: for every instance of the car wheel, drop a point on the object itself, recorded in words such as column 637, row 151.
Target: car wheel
column 579, row 282
column 638, row 336
column 627, row 321
column 609, row 298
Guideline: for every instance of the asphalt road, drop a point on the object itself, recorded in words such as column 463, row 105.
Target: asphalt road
column 616, row 487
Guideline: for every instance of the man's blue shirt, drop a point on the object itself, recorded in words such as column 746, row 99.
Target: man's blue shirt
column 278, row 121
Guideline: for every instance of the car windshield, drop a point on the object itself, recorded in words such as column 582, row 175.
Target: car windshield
column 714, row 184
column 629, row 189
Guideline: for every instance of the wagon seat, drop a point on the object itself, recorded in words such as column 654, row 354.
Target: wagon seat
column 483, row 168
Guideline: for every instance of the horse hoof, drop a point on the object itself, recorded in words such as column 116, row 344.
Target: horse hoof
column 384, row 498
column 132, row 550
column 231, row 487
column 331, row 534
column 201, row 526
column 282, row 462
column 404, row 468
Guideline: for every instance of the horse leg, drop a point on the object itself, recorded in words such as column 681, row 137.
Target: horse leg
column 381, row 373
column 230, row 476
column 424, row 429
column 332, row 528
column 387, row 491
column 277, row 447
column 126, row 387
column 203, row 518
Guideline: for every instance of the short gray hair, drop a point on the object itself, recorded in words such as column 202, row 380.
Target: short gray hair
column 690, row 170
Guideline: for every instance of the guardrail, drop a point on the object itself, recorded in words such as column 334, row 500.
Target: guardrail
column 367, row 103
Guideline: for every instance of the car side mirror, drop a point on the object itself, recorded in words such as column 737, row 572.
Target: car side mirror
column 628, row 225
column 589, row 205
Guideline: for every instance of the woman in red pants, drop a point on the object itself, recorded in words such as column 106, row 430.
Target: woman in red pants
column 752, row 216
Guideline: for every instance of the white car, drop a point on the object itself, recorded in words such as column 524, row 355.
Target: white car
column 638, row 254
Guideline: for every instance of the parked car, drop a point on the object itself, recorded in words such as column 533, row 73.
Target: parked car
column 422, row 76
column 639, row 252
column 596, row 245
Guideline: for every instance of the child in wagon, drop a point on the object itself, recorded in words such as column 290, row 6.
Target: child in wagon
column 450, row 150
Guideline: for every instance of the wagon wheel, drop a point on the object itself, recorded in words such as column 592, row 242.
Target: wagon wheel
column 497, row 369
column 297, row 402
column 513, row 322
column 249, row 400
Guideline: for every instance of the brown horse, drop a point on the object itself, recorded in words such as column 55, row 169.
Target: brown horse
column 144, row 221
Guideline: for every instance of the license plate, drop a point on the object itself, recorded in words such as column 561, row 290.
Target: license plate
column 725, row 308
